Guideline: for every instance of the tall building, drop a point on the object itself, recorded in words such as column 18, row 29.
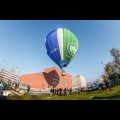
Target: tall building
column 78, row 81
column 9, row 77
column 50, row 78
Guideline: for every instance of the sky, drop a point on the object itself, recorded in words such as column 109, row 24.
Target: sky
column 22, row 45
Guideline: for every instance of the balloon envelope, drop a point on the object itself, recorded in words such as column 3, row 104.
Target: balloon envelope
column 61, row 45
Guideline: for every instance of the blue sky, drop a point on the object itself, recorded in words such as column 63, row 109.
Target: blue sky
column 22, row 45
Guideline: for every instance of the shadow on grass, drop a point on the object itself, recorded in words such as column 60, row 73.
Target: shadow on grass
column 24, row 97
column 116, row 97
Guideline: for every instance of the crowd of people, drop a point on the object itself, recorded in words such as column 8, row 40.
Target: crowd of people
column 65, row 91
column 60, row 91
column 105, row 85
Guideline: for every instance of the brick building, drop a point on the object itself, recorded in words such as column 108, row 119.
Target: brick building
column 50, row 78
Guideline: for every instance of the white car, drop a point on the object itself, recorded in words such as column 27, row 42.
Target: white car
column 5, row 93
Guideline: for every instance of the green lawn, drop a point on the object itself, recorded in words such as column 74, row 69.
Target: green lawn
column 92, row 95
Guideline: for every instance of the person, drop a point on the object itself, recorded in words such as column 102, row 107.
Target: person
column 81, row 90
column 57, row 91
column 104, row 87
column 60, row 90
column 65, row 90
column 70, row 91
column 91, row 88
column 28, row 89
column 78, row 91
column 109, row 85
column 16, row 86
column 51, row 91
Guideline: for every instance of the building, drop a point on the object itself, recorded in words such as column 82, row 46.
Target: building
column 78, row 81
column 9, row 77
column 50, row 78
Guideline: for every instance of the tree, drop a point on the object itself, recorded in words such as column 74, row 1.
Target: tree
column 105, row 77
column 108, row 69
column 112, row 69
column 116, row 54
column 116, row 60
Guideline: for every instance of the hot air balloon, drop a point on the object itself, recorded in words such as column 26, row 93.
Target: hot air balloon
column 61, row 45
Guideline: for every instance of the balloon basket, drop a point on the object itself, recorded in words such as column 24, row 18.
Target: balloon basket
column 63, row 73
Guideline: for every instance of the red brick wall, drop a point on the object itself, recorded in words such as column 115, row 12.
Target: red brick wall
column 51, row 77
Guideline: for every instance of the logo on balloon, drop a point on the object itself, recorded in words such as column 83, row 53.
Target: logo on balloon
column 71, row 48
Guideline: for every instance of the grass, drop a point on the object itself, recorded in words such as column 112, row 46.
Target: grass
column 91, row 95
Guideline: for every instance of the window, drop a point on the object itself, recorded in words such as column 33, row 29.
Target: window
column 25, row 85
